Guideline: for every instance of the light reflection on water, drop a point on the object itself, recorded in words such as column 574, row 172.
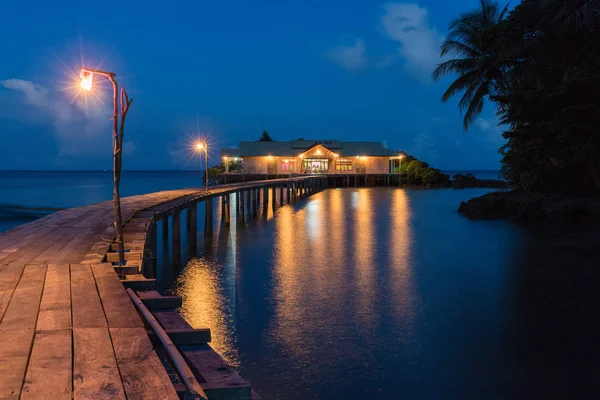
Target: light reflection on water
column 207, row 291
column 389, row 293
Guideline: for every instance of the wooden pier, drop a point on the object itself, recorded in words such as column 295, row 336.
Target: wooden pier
column 68, row 328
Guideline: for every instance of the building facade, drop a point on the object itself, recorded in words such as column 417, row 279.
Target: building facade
column 313, row 156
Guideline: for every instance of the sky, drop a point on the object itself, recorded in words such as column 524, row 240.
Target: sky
column 332, row 70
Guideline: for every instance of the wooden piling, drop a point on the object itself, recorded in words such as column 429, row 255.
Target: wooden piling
column 192, row 228
column 150, row 252
column 208, row 228
column 165, row 241
column 176, row 236
column 265, row 198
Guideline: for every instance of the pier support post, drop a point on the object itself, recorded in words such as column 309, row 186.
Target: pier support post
column 280, row 195
column 165, row 241
column 242, row 206
column 208, row 228
column 150, row 253
column 191, row 224
column 176, row 235
column 273, row 197
column 265, row 198
column 225, row 209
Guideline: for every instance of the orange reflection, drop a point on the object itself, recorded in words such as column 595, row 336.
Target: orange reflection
column 364, row 242
column 206, row 303
column 400, row 246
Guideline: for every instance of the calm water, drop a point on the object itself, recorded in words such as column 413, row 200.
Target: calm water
column 379, row 293
column 390, row 294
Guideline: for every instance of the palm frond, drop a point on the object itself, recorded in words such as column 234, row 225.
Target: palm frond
column 462, row 83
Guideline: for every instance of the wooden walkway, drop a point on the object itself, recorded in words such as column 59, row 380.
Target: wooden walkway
column 67, row 327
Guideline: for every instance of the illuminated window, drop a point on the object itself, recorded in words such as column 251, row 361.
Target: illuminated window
column 285, row 166
column 343, row 165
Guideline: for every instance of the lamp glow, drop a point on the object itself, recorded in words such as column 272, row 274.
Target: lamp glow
column 199, row 146
column 87, row 78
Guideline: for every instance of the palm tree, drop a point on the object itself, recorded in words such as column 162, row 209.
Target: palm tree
column 474, row 38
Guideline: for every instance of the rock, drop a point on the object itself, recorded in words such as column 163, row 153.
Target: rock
column 522, row 206
column 460, row 181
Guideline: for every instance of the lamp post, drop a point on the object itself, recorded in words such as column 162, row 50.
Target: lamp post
column 203, row 146
column 120, row 108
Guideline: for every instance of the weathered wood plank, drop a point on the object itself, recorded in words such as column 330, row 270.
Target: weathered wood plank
column 95, row 372
column 154, row 300
column 49, row 371
column 119, row 311
column 141, row 371
column 183, row 336
column 55, row 309
column 221, row 380
column 9, row 277
column 23, row 307
column 14, row 353
column 85, row 302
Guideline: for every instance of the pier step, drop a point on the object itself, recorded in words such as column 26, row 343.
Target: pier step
column 129, row 255
column 127, row 269
column 138, row 282
column 136, row 245
column 154, row 300
column 131, row 236
column 183, row 336
column 217, row 378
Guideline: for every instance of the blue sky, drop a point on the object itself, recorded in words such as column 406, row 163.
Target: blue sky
column 348, row 70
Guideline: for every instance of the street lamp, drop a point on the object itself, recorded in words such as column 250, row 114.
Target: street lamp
column 120, row 103
column 203, row 146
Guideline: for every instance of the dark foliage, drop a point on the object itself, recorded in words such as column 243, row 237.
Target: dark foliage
column 265, row 137
column 541, row 66
column 416, row 172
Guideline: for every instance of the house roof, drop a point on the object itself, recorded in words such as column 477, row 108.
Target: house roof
column 296, row 147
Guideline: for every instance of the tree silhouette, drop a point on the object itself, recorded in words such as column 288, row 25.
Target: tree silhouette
column 265, row 137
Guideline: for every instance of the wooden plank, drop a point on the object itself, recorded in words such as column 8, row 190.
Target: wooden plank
column 55, row 309
column 119, row 311
column 129, row 255
column 85, row 301
column 142, row 373
column 23, row 308
column 220, row 380
column 9, row 277
column 171, row 319
column 95, row 371
column 49, row 371
column 14, row 354
column 152, row 299
column 183, row 336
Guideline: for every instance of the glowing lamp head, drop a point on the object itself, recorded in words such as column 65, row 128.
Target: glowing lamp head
column 87, row 78
column 199, row 146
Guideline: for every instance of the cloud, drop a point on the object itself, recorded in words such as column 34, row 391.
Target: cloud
column 80, row 130
column 491, row 128
column 351, row 58
column 420, row 42
column 424, row 147
column 128, row 147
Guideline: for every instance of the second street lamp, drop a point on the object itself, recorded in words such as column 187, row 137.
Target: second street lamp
column 120, row 109
column 203, row 146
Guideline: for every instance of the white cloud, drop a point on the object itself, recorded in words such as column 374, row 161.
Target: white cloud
column 484, row 124
column 128, row 147
column 491, row 128
column 80, row 130
column 419, row 41
column 351, row 58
